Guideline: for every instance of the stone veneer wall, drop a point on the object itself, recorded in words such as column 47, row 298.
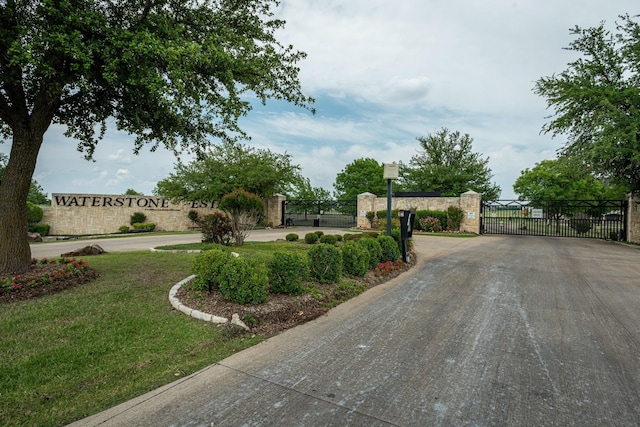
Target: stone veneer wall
column 469, row 202
column 633, row 218
column 103, row 214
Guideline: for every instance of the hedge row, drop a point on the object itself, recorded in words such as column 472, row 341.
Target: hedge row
column 247, row 281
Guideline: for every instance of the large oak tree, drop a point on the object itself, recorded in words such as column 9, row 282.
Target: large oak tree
column 596, row 101
column 173, row 73
column 226, row 167
column 447, row 163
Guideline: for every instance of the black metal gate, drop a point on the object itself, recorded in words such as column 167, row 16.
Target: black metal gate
column 596, row 219
column 319, row 213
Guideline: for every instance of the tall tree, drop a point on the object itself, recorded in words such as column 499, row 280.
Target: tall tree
column 562, row 179
column 596, row 101
column 303, row 190
column 363, row 175
column 447, row 164
column 173, row 73
column 226, row 167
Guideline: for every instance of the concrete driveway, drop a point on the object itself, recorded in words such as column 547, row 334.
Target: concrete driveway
column 496, row 330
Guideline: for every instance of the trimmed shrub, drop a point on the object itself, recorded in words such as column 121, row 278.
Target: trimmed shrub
column 42, row 229
column 329, row 239
column 137, row 218
column 34, row 213
column 311, row 238
column 207, row 266
column 193, row 216
column 430, row 224
column 355, row 258
column 421, row 214
column 244, row 281
column 390, row 251
column 397, row 236
column 325, row 263
column 292, row 237
column 581, row 222
column 146, row 226
column 216, row 228
column 319, row 233
column 454, row 218
column 123, row 229
column 375, row 251
column 287, row 271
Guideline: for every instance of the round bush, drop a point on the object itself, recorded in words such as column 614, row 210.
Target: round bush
column 325, row 263
column 320, row 233
column 216, row 228
column 390, row 251
column 311, row 238
column 329, row 239
column 244, row 281
column 137, row 218
column 292, row 237
column 374, row 249
column 287, row 271
column 34, row 213
column 207, row 266
column 355, row 259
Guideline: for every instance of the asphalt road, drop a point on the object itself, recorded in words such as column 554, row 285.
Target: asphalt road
column 145, row 242
column 495, row 330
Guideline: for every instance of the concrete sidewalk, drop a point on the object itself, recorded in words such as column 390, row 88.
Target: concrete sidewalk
column 483, row 331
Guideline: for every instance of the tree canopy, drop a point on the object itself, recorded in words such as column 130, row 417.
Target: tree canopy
column 363, row 175
column 596, row 101
column 172, row 73
column 303, row 190
column 226, row 167
column 562, row 179
column 447, row 164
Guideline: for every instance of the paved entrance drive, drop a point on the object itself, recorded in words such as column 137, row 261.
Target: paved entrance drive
column 495, row 330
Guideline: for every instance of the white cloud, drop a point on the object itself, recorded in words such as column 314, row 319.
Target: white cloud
column 383, row 73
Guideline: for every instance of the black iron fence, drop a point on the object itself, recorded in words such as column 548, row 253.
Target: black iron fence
column 596, row 219
column 320, row 213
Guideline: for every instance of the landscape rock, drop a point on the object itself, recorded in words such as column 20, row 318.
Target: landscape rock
column 87, row 250
column 34, row 237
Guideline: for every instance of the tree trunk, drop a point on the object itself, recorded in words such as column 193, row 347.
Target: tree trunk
column 15, row 253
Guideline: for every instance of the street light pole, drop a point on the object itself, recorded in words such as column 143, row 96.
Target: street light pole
column 390, row 173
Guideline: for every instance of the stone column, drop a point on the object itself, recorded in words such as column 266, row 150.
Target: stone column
column 470, row 203
column 366, row 203
column 273, row 214
column 633, row 218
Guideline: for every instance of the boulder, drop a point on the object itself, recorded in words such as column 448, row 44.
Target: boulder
column 87, row 250
column 34, row 237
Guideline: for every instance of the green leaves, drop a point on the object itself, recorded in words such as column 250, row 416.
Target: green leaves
column 228, row 166
column 363, row 175
column 447, row 164
column 596, row 101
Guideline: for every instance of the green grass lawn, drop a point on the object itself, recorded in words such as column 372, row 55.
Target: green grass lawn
column 73, row 354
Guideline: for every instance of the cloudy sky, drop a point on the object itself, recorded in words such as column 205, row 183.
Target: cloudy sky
column 383, row 73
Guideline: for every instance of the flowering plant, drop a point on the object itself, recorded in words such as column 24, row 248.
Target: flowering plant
column 68, row 268
column 431, row 224
column 383, row 269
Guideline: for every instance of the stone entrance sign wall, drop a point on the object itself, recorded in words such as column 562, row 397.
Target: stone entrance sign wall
column 104, row 214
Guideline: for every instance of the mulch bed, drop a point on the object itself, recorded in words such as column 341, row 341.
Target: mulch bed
column 34, row 292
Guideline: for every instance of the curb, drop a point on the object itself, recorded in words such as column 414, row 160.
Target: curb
column 197, row 314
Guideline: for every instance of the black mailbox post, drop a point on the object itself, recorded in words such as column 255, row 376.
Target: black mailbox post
column 406, row 230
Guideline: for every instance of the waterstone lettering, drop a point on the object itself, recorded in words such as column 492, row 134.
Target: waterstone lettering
column 122, row 202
